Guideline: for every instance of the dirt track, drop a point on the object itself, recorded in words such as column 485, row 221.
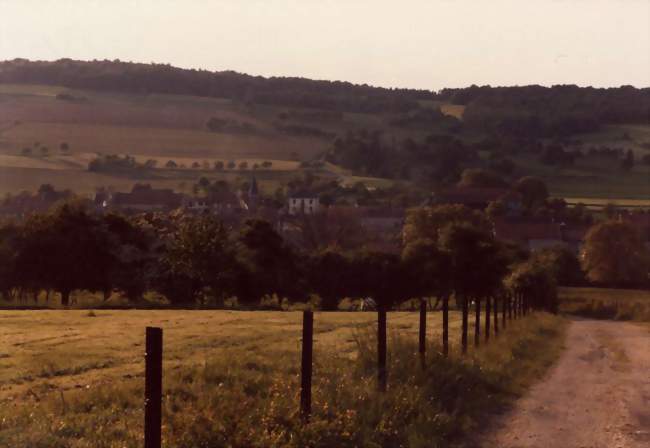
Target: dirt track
column 597, row 396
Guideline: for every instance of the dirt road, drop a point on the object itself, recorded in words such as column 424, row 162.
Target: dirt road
column 597, row 396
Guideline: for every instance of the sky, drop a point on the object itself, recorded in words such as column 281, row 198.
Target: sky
column 428, row 44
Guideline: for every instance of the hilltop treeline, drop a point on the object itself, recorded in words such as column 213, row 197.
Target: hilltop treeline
column 536, row 111
column 163, row 78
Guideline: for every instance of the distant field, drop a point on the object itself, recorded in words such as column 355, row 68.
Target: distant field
column 620, row 304
column 591, row 178
column 598, row 203
column 455, row 110
column 630, row 136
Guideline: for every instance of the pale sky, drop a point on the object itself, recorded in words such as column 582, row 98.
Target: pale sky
column 426, row 44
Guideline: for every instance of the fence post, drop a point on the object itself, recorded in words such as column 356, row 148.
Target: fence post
column 306, row 369
column 495, row 311
column 488, row 317
column 381, row 350
column 423, row 332
column 153, row 388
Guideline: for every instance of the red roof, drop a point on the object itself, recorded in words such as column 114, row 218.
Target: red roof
column 522, row 230
column 475, row 196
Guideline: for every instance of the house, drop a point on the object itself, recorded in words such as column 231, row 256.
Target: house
column 303, row 204
column 25, row 203
column 535, row 234
column 479, row 198
column 144, row 198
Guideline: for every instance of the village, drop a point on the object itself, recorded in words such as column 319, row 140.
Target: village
column 306, row 222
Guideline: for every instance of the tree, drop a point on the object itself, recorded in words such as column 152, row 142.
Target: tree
column 477, row 268
column 231, row 165
column 564, row 264
column 428, row 222
column 218, row 165
column 64, row 147
column 614, row 253
column 171, row 164
column 533, row 191
column 329, row 275
column 429, row 273
column 65, row 250
column 628, row 162
column 198, row 262
column 380, row 276
column 243, row 165
column 533, row 285
column 132, row 248
column 269, row 262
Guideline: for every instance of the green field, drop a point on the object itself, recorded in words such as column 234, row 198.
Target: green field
column 75, row 379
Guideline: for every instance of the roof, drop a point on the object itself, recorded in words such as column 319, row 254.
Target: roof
column 522, row 230
column 474, row 195
column 145, row 195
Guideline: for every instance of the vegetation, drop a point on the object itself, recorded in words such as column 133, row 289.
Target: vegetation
column 222, row 386
column 604, row 303
column 614, row 254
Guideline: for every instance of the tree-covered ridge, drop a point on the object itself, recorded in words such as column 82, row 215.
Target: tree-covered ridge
column 163, row 78
column 536, row 111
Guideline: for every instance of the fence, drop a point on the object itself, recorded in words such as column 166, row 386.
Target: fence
column 512, row 308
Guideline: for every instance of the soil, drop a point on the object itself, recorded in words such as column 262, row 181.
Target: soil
column 596, row 396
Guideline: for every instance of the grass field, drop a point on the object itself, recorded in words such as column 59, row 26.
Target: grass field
column 603, row 303
column 74, row 379
column 591, row 178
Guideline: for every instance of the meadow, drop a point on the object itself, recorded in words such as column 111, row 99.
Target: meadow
column 604, row 303
column 74, row 378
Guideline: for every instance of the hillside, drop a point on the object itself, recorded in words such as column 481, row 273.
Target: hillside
column 56, row 117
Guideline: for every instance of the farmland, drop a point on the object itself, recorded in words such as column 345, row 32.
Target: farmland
column 164, row 127
column 75, row 377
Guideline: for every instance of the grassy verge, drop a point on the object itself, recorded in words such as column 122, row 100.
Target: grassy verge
column 602, row 303
column 250, row 398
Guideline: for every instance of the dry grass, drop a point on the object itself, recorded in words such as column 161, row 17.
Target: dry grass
column 604, row 303
column 73, row 379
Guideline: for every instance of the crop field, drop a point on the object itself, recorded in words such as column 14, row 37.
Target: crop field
column 160, row 127
column 74, row 378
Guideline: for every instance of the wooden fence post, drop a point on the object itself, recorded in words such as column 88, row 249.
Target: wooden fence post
column 477, row 323
column 445, row 325
column 465, row 324
column 381, row 350
column 504, row 311
column 153, row 388
column 306, row 369
column 495, row 310
column 423, row 332
column 488, row 317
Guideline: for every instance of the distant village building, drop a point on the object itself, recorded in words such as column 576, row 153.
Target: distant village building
column 303, row 204
column 533, row 234
column 479, row 198
column 143, row 198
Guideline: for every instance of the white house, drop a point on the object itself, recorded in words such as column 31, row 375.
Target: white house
column 303, row 205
